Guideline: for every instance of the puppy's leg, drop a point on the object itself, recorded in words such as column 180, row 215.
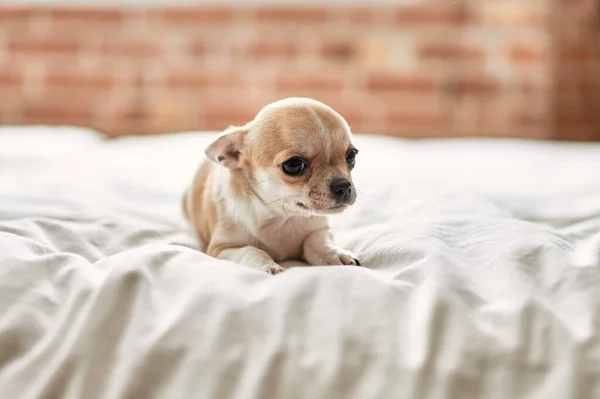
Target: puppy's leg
column 320, row 251
column 252, row 257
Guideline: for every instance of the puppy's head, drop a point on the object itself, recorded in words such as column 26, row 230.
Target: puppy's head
column 296, row 155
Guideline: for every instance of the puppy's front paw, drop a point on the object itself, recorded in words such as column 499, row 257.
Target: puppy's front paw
column 334, row 257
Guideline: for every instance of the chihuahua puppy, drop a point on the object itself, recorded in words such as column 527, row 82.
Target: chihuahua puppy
column 263, row 195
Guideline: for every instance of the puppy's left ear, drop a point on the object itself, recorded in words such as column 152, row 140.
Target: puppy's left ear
column 229, row 149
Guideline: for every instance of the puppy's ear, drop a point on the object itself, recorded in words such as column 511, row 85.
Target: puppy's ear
column 229, row 149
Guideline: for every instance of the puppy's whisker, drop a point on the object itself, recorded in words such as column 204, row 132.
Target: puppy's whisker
column 272, row 202
column 251, row 187
column 283, row 207
column 360, row 191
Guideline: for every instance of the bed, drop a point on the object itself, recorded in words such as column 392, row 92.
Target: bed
column 471, row 285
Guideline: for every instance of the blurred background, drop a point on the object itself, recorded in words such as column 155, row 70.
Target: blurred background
column 412, row 68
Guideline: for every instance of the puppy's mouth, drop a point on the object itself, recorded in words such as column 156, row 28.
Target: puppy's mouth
column 338, row 208
column 332, row 209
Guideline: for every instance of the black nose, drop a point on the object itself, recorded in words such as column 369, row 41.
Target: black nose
column 341, row 189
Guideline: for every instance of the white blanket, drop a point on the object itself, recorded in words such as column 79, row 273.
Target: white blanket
column 470, row 288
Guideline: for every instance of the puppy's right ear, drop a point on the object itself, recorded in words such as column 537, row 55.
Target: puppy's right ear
column 229, row 149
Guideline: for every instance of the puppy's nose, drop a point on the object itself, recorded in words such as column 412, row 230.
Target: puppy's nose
column 341, row 189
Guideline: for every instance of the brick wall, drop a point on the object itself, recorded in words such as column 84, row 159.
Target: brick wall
column 524, row 68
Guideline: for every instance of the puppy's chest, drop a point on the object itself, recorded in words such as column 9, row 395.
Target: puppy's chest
column 283, row 240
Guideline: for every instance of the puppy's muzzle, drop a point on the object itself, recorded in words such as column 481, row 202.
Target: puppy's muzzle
column 341, row 189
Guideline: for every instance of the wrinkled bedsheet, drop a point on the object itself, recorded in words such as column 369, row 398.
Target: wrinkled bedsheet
column 471, row 287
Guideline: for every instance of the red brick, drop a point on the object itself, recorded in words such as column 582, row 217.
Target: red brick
column 266, row 50
column 571, row 119
column 291, row 14
column 129, row 49
column 576, row 133
column 130, row 111
column 172, row 112
column 16, row 20
column 64, row 80
column 415, row 118
column 431, row 14
column 449, row 51
column 577, row 53
column 528, row 88
column 202, row 79
column 210, row 14
column 67, row 101
column 359, row 16
column 166, row 126
column 416, row 132
column 573, row 17
column 354, row 118
column 218, row 116
column 9, row 13
column 188, row 81
column 75, row 22
column 227, row 80
column 9, row 93
column 526, row 54
column 10, row 78
column 304, row 82
column 45, row 45
column 201, row 49
column 342, row 52
column 570, row 106
column 569, row 78
column 87, row 14
column 366, row 119
column 469, row 86
column 528, row 120
column 51, row 111
column 391, row 83
column 513, row 14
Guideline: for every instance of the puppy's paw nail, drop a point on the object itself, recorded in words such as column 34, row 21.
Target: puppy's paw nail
column 275, row 270
column 347, row 259
column 356, row 262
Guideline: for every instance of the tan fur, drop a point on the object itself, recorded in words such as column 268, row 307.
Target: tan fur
column 199, row 205
column 249, row 211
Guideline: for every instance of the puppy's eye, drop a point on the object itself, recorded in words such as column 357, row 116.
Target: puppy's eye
column 351, row 157
column 294, row 166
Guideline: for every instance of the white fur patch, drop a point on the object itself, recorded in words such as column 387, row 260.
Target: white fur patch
column 320, row 126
